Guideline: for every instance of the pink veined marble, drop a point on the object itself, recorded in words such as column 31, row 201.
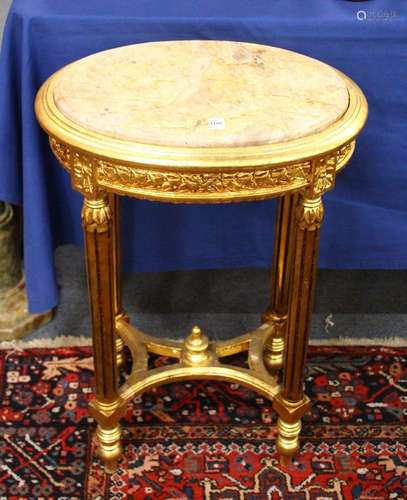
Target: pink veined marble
column 201, row 94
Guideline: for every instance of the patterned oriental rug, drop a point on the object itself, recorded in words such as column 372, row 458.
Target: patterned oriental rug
column 205, row 440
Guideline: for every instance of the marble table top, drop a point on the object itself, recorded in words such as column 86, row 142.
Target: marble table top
column 201, row 94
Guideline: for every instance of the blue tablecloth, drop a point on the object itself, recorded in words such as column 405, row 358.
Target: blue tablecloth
column 366, row 214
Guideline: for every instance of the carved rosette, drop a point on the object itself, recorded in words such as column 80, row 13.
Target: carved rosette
column 325, row 167
column 96, row 214
column 310, row 213
column 83, row 177
column 324, row 170
column 80, row 166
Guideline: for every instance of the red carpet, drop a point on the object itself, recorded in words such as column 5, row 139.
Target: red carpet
column 206, row 440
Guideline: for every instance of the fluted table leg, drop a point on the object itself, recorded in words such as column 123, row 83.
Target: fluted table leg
column 98, row 232
column 280, row 281
column 291, row 403
column 114, row 201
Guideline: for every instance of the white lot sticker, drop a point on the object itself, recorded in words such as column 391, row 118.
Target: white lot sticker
column 216, row 123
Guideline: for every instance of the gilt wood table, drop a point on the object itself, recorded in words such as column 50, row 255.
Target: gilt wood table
column 202, row 122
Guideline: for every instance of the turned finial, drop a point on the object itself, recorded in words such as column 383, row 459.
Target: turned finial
column 196, row 349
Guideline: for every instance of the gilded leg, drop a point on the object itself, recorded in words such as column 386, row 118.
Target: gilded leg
column 291, row 403
column 288, row 441
column 114, row 202
column 109, row 446
column 280, row 281
column 98, row 227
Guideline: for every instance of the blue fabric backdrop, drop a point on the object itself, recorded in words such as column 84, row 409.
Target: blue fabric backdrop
column 366, row 215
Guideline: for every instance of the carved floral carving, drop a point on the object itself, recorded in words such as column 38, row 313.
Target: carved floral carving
column 83, row 174
column 80, row 167
column 61, row 151
column 344, row 154
column 206, row 182
column 90, row 176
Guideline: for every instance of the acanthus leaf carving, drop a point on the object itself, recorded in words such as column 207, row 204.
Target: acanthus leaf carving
column 96, row 214
column 310, row 212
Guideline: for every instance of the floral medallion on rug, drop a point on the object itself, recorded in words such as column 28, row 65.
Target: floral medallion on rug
column 205, row 440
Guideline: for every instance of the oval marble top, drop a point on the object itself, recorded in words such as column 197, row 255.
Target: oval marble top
column 201, row 94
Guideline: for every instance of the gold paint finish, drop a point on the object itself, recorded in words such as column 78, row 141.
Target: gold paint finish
column 110, row 447
column 298, row 170
column 114, row 201
column 141, row 344
column 280, row 282
column 196, row 349
column 289, row 411
column 287, row 439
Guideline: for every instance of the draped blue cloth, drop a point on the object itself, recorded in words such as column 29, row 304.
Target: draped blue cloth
column 366, row 214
